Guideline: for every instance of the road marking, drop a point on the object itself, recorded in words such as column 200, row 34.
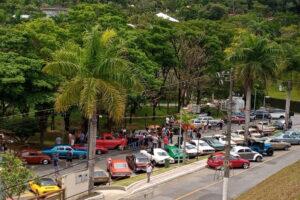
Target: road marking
column 202, row 188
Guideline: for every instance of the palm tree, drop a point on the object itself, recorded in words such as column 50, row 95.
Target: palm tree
column 256, row 60
column 95, row 78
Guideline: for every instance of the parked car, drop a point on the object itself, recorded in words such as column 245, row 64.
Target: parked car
column 265, row 128
column 30, row 156
column 217, row 160
column 280, row 124
column 237, row 138
column 43, row 186
column 246, row 153
column 158, row 156
column 254, row 131
column 203, row 147
column 197, row 123
column 277, row 113
column 99, row 150
column 100, row 176
column 293, row 140
column 211, row 121
column 214, row 143
column 277, row 144
column 190, row 150
column 108, row 141
column 294, row 133
column 118, row 168
column 237, row 119
column 261, row 114
column 175, row 152
column 222, row 139
column 261, row 147
column 62, row 150
column 137, row 162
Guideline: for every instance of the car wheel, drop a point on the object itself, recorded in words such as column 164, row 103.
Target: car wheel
column 281, row 117
column 45, row 162
column 270, row 152
column 258, row 159
column 287, row 148
column 245, row 165
column 81, row 157
column 98, row 152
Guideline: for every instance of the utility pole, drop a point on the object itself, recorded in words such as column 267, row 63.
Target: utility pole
column 287, row 104
column 228, row 141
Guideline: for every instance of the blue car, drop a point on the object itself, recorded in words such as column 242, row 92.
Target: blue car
column 62, row 150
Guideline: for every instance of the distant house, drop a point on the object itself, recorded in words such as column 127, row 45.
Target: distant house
column 22, row 16
column 53, row 11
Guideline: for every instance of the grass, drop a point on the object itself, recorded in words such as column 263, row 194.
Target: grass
column 156, row 171
column 274, row 92
column 283, row 185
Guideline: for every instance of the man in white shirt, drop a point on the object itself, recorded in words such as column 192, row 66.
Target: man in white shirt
column 149, row 169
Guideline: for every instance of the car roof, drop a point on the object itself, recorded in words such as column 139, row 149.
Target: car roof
column 240, row 147
column 139, row 155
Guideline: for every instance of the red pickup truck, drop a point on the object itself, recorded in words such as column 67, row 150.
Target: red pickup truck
column 108, row 141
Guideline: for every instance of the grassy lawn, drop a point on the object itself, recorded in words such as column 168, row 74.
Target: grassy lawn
column 284, row 185
column 156, row 171
column 274, row 92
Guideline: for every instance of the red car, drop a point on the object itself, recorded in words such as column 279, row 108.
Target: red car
column 238, row 119
column 118, row 168
column 216, row 160
column 99, row 149
column 31, row 156
column 108, row 141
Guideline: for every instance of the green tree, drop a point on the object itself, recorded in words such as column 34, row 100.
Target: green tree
column 14, row 176
column 256, row 59
column 96, row 78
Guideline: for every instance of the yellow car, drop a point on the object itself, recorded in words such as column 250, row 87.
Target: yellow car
column 43, row 186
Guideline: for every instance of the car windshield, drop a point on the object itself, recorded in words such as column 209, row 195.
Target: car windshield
column 142, row 160
column 176, row 151
column 189, row 146
column 99, row 173
column 204, row 144
column 120, row 165
column 47, row 182
column 161, row 153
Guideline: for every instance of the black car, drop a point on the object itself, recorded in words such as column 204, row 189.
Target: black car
column 137, row 162
column 261, row 114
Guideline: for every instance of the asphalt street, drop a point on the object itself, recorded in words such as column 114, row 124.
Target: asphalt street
column 205, row 184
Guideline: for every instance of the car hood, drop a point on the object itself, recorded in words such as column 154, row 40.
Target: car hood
column 206, row 148
column 161, row 157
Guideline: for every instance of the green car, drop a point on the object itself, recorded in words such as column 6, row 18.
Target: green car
column 175, row 152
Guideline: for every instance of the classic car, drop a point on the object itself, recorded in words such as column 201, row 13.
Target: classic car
column 246, row 153
column 118, row 168
column 277, row 144
column 43, row 186
column 292, row 139
column 238, row 139
column 30, row 156
column 280, row 124
column 203, row 147
column 217, row 160
column 137, row 162
column 261, row 114
column 214, row 143
column 222, row 139
column 261, row 147
column 62, row 150
column 237, row 119
column 100, row 176
column 175, row 152
column 190, row 150
column 158, row 156
column 265, row 128
column 108, row 141
column 99, row 150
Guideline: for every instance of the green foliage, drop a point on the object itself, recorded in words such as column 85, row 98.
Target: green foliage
column 14, row 176
column 214, row 11
column 21, row 129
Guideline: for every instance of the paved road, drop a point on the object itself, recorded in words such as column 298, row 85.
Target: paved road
column 204, row 185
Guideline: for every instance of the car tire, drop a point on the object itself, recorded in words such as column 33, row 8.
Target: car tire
column 45, row 162
column 287, row 148
column 81, row 157
column 281, row 117
column 98, row 152
column 258, row 159
column 245, row 165
column 270, row 152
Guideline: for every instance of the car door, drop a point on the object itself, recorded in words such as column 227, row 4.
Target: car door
column 61, row 151
column 34, row 157
column 242, row 154
column 234, row 162
column 248, row 154
column 276, row 144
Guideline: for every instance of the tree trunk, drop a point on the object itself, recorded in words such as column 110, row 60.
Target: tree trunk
column 247, row 112
column 92, row 133
column 67, row 120
column 179, row 100
column 198, row 96
column 42, row 118
column 154, row 111
column 287, row 106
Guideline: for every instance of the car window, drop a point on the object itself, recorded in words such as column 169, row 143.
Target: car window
column 46, row 182
column 248, row 150
column 120, row 165
column 142, row 160
column 161, row 153
column 286, row 136
column 241, row 151
column 60, row 148
column 25, row 153
column 99, row 173
column 33, row 154
column 68, row 149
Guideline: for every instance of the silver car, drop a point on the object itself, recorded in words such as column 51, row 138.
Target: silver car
column 288, row 138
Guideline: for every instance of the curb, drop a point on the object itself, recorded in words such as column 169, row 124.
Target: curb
column 112, row 187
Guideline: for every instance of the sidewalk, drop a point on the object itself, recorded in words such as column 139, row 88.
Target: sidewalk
column 155, row 181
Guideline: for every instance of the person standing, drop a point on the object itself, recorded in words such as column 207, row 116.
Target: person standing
column 149, row 169
column 55, row 158
column 69, row 157
column 58, row 141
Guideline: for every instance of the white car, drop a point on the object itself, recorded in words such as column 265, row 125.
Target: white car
column 277, row 113
column 197, row 123
column 238, row 139
column 158, row 157
column 191, row 150
column 246, row 153
column 222, row 140
column 203, row 147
